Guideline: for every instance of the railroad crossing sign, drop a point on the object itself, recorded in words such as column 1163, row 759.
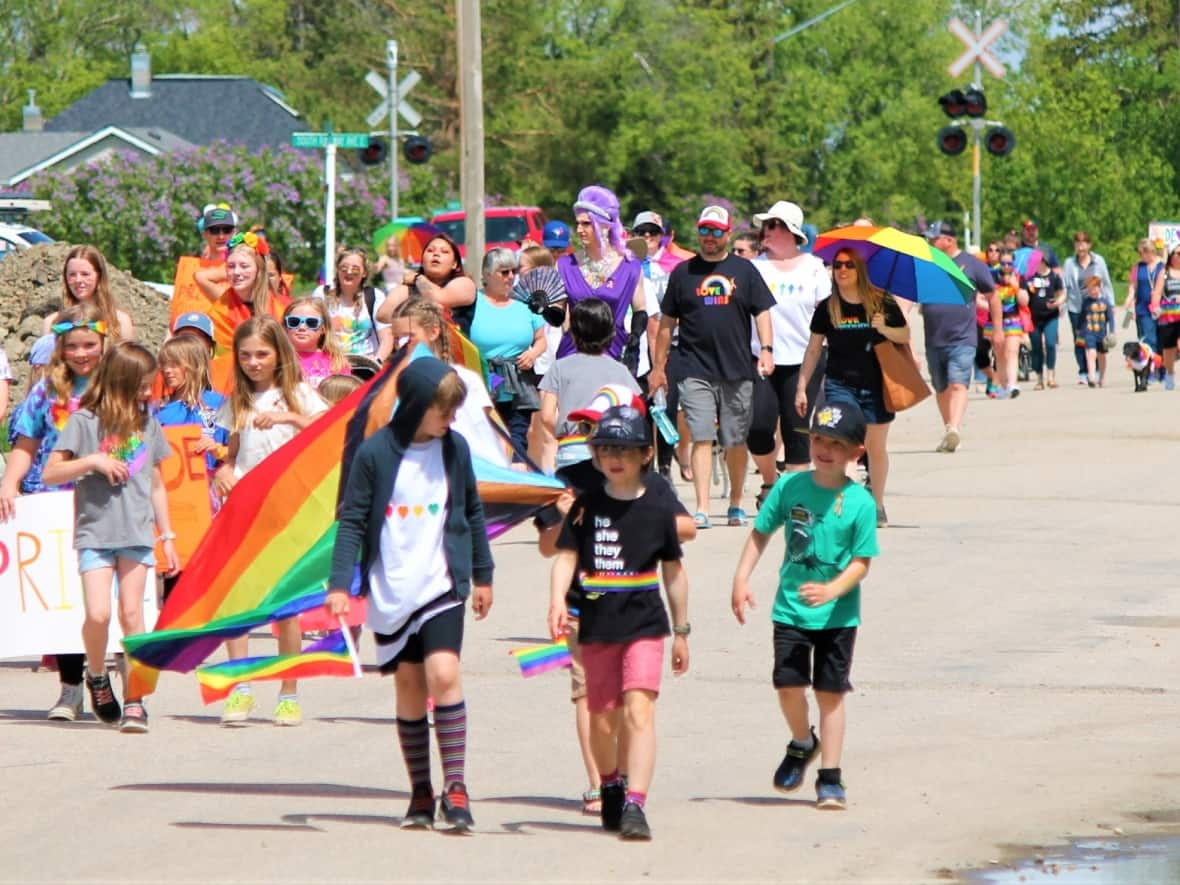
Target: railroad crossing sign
column 977, row 47
column 335, row 139
column 408, row 82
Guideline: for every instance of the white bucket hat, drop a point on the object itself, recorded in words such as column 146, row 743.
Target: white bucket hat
column 788, row 213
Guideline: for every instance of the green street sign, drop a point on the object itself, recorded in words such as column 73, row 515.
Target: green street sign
column 323, row 139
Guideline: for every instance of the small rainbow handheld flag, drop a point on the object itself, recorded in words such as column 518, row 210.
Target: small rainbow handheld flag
column 536, row 659
column 331, row 656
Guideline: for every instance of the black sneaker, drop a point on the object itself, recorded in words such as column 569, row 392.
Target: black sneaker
column 790, row 772
column 453, row 811
column 613, row 797
column 102, row 698
column 135, row 718
column 634, row 823
column 420, row 814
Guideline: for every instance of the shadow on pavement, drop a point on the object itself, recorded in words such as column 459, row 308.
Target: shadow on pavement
column 304, row 820
column 322, row 791
column 555, row 802
column 37, row 717
column 521, row 827
column 755, row 800
column 216, row 825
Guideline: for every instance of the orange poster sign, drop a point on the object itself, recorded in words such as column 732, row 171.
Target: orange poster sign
column 186, row 479
column 186, row 295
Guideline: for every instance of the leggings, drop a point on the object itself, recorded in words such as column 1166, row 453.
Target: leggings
column 69, row 668
column 774, row 405
column 1044, row 356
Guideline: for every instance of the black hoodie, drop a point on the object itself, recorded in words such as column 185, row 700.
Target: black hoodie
column 370, row 488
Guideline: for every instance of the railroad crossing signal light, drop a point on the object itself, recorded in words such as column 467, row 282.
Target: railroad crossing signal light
column 952, row 140
column 417, row 149
column 954, row 103
column 999, row 141
column 375, row 153
column 975, row 102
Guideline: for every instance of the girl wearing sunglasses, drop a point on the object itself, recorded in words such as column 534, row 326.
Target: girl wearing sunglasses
column 309, row 330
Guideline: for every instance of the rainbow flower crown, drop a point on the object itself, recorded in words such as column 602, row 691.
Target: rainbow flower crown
column 60, row 329
column 250, row 238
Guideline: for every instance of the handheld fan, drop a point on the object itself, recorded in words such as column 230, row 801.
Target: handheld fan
column 543, row 291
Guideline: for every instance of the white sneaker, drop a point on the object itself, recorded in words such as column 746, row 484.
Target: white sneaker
column 952, row 440
column 69, row 706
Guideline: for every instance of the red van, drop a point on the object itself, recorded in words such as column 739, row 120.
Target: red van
column 503, row 226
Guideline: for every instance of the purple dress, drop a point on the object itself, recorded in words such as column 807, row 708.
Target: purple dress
column 617, row 291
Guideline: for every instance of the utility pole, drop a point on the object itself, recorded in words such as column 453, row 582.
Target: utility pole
column 391, row 62
column 471, row 184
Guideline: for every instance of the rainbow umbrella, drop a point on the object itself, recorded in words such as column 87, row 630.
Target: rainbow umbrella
column 414, row 240
column 901, row 264
column 399, row 226
column 1027, row 260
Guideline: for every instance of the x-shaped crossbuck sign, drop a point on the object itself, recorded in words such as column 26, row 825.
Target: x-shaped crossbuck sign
column 977, row 47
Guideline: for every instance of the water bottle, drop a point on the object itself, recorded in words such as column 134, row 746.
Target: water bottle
column 659, row 414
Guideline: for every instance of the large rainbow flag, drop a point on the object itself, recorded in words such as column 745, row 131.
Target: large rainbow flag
column 267, row 555
column 328, row 657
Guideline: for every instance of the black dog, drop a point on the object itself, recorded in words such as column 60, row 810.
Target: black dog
column 1142, row 361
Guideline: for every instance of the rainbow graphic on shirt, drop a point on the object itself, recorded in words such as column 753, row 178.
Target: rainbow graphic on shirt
column 577, row 439
column 131, row 451
column 1169, row 311
column 619, row 582
column 59, row 412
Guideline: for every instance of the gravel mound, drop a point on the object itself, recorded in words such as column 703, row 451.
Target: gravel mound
column 30, row 290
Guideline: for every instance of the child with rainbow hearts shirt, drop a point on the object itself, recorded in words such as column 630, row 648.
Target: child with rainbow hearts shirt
column 619, row 538
column 111, row 449
column 831, row 530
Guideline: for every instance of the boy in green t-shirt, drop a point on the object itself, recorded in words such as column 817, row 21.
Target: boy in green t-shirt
column 831, row 534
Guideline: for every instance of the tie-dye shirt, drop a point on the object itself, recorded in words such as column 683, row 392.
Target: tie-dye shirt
column 42, row 417
column 352, row 325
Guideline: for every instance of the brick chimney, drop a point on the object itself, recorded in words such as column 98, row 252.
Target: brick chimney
column 141, row 73
column 31, row 115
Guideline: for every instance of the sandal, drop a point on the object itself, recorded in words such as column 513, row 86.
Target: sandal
column 701, row 520
column 592, row 801
column 761, row 496
column 685, row 472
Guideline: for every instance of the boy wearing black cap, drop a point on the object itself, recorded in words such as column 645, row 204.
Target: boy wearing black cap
column 619, row 538
column 831, row 529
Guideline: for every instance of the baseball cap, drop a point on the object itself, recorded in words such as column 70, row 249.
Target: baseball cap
column 842, row 420
column 622, row 426
column 788, row 213
column 649, row 219
column 940, row 229
column 555, row 235
column 1028, row 222
column 714, row 216
column 198, row 321
column 42, row 350
column 607, row 397
column 219, row 215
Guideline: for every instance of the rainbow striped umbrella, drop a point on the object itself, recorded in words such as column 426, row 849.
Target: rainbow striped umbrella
column 901, row 264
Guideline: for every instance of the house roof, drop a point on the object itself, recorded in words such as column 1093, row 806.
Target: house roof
column 198, row 109
column 23, row 154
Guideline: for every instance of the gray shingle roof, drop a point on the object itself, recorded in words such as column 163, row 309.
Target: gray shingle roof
column 198, row 109
column 21, row 150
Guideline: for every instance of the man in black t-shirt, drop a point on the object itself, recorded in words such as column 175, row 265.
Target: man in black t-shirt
column 713, row 297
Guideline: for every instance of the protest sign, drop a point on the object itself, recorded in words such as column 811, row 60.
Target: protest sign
column 186, row 480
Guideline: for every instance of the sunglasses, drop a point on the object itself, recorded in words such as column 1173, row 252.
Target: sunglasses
column 98, row 326
column 1007, row 265
column 843, row 265
column 506, row 271
column 773, row 224
column 714, row 232
column 219, row 231
column 294, row 322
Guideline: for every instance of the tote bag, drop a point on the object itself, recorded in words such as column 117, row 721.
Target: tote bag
column 901, row 382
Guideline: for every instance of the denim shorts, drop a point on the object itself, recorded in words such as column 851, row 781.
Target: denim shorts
column 93, row 558
column 950, row 365
column 871, row 402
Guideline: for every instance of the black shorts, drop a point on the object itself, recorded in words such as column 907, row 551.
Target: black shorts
column 443, row 632
column 1167, row 335
column 833, row 658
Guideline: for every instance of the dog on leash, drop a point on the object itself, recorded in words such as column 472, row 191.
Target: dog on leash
column 1142, row 361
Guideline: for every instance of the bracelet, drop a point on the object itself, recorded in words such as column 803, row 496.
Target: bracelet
column 167, row 536
column 682, row 629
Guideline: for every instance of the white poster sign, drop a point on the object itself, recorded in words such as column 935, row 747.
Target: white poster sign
column 41, row 608
column 1166, row 233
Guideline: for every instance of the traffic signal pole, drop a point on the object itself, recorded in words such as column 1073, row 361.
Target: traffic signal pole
column 976, row 128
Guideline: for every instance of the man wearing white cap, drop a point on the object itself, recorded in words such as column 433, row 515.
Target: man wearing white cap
column 713, row 297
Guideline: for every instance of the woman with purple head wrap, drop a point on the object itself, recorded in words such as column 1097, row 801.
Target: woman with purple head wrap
column 603, row 267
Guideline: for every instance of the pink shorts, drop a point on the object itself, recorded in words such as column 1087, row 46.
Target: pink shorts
column 615, row 667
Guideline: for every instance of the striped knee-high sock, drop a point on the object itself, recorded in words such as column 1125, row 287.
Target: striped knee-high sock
column 450, row 728
column 414, row 737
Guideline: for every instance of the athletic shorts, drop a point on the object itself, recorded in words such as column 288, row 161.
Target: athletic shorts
column 616, row 667
column 717, row 410
column 443, row 632
column 93, row 558
column 1168, row 335
column 832, row 649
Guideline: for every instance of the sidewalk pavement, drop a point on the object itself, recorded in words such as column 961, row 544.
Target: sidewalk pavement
column 1016, row 679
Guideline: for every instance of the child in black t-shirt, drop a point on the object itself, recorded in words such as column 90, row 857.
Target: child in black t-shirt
column 615, row 537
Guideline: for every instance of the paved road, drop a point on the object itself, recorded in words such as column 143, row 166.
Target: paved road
column 1016, row 683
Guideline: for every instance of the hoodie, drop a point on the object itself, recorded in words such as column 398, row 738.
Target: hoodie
column 370, row 488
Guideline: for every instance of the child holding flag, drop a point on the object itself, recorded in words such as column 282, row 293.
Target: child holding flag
column 411, row 513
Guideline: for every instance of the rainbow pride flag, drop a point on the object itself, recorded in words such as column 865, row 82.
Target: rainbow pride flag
column 268, row 554
column 537, row 659
column 328, row 657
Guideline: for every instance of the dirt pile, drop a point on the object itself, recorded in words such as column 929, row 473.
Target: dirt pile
column 30, row 290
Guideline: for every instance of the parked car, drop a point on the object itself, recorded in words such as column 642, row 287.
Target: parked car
column 503, row 226
column 19, row 236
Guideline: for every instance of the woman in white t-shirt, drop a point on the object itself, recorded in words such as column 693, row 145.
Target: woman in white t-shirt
column 270, row 403
column 798, row 281
column 352, row 307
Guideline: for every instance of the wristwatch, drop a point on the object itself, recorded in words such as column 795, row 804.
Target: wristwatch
column 768, row 348
column 682, row 629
